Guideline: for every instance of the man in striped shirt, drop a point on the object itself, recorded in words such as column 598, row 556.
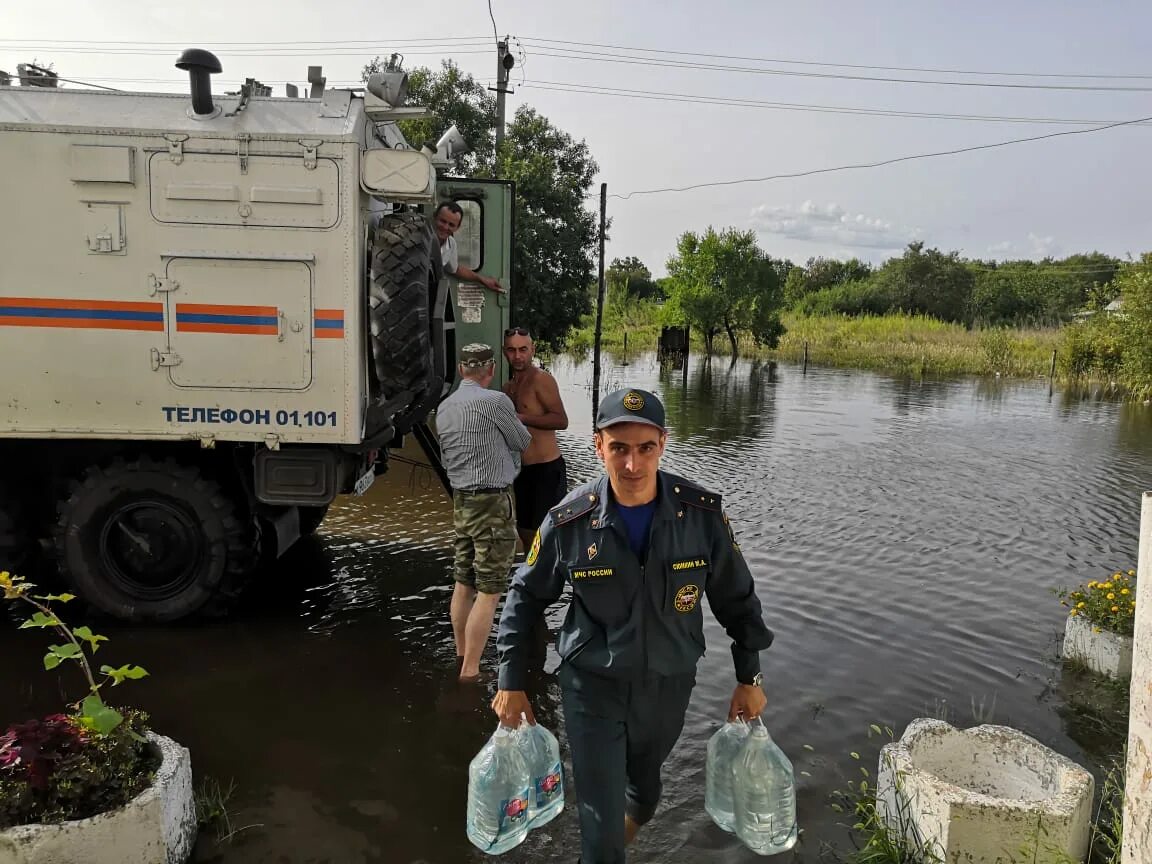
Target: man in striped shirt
column 481, row 440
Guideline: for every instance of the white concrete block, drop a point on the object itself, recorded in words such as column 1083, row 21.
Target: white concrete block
column 988, row 795
column 158, row 826
column 1138, row 777
column 1105, row 653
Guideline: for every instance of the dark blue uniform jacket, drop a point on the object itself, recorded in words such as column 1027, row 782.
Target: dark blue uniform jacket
column 628, row 617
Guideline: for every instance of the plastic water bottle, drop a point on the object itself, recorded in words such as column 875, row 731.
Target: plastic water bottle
column 724, row 747
column 764, row 794
column 498, row 795
column 541, row 754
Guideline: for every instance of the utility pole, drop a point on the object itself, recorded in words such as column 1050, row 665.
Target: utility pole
column 504, row 63
column 599, row 305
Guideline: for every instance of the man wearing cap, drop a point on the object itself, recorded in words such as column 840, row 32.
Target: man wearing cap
column 480, row 442
column 640, row 549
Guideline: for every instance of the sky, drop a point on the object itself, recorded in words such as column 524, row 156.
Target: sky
column 1069, row 194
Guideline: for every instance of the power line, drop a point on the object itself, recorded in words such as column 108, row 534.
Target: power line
column 307, row 52
column 715, row 67
column 841, row 65
column 881, row 163
column 495, row 33
column 664, row 96
column 438, row 40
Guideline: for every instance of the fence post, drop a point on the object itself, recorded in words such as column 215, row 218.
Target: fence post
column 1138, row 776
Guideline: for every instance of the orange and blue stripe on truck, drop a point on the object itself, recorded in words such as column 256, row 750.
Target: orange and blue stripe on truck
column 131, row 315
column 237, row 320
column 92, row 314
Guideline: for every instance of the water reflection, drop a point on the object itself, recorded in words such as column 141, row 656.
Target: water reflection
column 722, row 403
column 905, row 537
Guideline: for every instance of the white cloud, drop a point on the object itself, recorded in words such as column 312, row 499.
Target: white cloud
column 1037, row 246
column 831, row 223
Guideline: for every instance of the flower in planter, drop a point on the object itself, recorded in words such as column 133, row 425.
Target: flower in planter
column 71, row 766
column 1108, row 605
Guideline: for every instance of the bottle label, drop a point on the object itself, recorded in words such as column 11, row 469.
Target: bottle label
column 548, row 787
column 514, row 812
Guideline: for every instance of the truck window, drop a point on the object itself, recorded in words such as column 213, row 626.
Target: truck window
column 469, row 239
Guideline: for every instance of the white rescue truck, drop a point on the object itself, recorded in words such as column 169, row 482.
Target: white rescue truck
column 217, row 314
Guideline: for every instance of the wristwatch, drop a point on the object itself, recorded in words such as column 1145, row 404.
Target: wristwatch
column 757, row 681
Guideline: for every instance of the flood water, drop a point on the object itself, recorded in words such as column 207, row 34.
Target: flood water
column 905, row 537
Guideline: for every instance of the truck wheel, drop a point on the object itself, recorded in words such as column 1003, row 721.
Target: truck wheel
column 404, row 259
column 149, row 541
column 310, row 519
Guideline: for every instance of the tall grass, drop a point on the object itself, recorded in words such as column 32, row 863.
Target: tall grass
column 908, row 344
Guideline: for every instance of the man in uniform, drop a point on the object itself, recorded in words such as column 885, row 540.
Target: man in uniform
column 640, row 548
column 447, row 221
column 480, row 441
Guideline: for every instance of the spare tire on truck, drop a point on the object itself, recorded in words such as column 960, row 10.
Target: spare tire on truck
column 404, row 272
column 151, row 541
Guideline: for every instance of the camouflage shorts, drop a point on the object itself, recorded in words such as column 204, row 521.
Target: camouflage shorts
column 485, row 526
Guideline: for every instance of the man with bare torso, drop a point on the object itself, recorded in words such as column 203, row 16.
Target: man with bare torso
column 543, row 480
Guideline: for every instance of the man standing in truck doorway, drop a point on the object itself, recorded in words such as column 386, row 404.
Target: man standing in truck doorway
column 446, row 221
column 480, row 442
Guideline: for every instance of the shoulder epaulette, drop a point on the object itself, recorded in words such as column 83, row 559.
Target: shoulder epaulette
column 689, row 493
column 566, row 511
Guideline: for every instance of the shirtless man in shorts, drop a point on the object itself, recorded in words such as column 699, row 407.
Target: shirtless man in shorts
column 543, row 480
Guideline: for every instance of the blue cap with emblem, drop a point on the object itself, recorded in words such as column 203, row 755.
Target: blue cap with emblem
column 630, row 406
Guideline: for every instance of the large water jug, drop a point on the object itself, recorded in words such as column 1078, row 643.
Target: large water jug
column 541, row 754
column 724, row 747
column 498, row 795
column 764, row 792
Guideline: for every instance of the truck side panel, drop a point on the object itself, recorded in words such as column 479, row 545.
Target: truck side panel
column 208, row 291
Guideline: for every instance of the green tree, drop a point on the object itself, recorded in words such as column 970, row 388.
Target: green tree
column 724, row 282
column 452, row 96
column 927, row 281
column 821, row 273
column 555, row 233
column 629, row 279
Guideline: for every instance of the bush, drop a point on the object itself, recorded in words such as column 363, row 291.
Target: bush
column 1109, row 605
column 997, row 345
column 52, row 770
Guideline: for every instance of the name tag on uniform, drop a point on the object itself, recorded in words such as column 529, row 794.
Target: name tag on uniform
column 689, row 564
column 593, row 573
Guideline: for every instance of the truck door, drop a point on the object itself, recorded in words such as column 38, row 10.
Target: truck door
column 484, row 242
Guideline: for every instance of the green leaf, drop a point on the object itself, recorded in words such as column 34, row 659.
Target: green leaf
column 41, row 620
column 66, row 652
column 810, row 747
column 99, row 716
column 875, row 728
column 124, row 672
column 854, row 755
column 51, row 661
column 60, row 598
column 93, row 639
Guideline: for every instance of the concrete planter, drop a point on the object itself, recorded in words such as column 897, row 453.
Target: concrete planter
column 158, row 826
column 1105, row 653
column 988, row 795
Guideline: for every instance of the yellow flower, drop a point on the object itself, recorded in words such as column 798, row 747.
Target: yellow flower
column 1124, row 591
column 1095, row 629
column 1131, row 572
column 1111, row 596
column 1115, row 608
column 1116, row 575
column 1073, row 613
column 1092, row 584
column 1107, row 586
column 5, row 579
column 1080, row 605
